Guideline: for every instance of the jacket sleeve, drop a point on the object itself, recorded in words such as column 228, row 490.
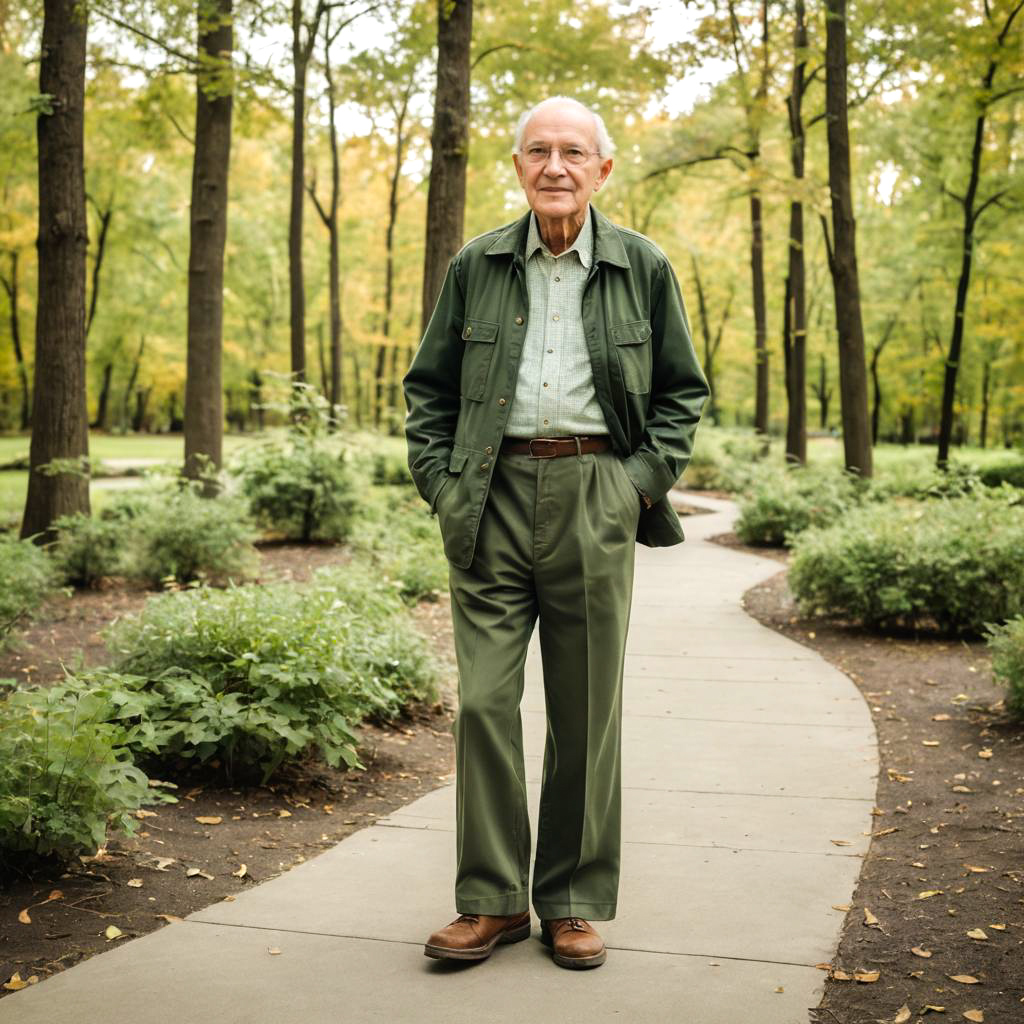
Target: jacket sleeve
column 432, row 390
column 679, row 390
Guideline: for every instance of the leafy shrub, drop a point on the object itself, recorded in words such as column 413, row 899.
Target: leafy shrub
column 64, row 772
column 1009, row 470
column 724, row 460
column 1006, row 642
column 785, row 502
column 398, row 536
column 909, row 480
column 87, row 548
column 388, row 469
column 180, row 535
column 27, row 578
column 956, row 562
column 298, row 490
column 255, row 674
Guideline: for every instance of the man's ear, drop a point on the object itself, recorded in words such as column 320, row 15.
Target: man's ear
column 606, row 169
column 519, row 168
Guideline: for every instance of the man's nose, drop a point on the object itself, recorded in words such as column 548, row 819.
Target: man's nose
column 554, row 157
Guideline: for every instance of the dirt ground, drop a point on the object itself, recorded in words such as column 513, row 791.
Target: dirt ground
column 935, row 928
column 176, row 864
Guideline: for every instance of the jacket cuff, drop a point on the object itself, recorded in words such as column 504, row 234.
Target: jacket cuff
column 648, row 481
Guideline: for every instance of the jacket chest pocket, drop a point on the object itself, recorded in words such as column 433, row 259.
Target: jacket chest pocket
column 633, row 347
column 478, row 338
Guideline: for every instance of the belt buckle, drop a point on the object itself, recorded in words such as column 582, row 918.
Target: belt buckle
column 543, row 440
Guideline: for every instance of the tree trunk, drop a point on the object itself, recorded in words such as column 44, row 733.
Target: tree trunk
column 986, row 385
column 59, row 417
column 796, row 303
column 449, row 144
column 853, row 396
column 204, row 414
column 101, row 248
column 130, row 388
column 11, row 287
column 103, row 402
column 297, row 291
column 760, row 314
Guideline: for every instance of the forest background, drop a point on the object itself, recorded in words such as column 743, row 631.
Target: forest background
column 695, row 97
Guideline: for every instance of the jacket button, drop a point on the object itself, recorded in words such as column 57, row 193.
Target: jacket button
column 467, row 332
column 519, row 319
column 501, row 401
column 484, row 465
column 488, row 450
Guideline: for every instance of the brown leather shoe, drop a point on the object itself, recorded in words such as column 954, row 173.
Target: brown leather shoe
column 474, row 936
column 574, row 942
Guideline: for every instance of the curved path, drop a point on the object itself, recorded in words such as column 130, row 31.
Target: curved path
column 744, row 756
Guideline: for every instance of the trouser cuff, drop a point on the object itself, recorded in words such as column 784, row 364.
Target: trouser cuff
column 578, row 908
column 498, row 906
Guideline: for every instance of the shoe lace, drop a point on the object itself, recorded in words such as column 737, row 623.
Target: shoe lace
column 576, row 924
column 474, row 918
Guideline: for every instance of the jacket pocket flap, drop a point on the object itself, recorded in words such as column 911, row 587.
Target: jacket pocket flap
column 479, row 330
column 458, row 459
column 633, row 333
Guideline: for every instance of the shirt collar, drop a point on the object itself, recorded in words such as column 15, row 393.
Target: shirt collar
column 583, row 246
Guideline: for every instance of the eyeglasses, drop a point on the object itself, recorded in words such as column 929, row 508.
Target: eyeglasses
column 570, row 154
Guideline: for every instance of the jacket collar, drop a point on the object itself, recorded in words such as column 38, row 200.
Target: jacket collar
column 608, row 247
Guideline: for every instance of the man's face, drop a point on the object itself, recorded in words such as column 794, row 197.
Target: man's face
column 554, row 187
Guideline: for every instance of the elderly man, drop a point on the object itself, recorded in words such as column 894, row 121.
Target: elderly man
column 552, row 404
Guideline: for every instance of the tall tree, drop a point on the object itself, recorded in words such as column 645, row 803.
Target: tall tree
column 208, row 221
column 795, row 336
column 842, row 257
column 60, row 429
column 449, row 145
column 973, row 209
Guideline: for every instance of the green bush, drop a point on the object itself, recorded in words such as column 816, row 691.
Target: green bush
column 783, row 502
column 923, row 481
column 390, row 469
column 1009, row 470
column 87, row 548
column 65, row 774
column 725, row 460
column 1006, row 642
column 398, row 536
column 180, row 535
column 955, row 562
column 255, row 674
column 298, row 491
column 27, row 578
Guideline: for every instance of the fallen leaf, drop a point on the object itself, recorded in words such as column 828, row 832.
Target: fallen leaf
column 866, row 975
column 973, row 867
column 844, row 907
column 929, row 743
column 941, row 717
column 962, row 789
column 284, row 814
column 902, row 1015
column 192, row 872
column 918, row 951
column 928, row 893
column 998, row 927
column 840, row 976
column 143, row 813
column 869, row 918
column 113, row 932
column 134, row 883
column 976, row 933
column 977, row 1016
column 840, row 842
column 162, row 863
column 170, row 917
column 206, row 820
column 883, row 832
column 273, row 951
column 935, row 1009
column 16, row 982
column 779, row 988
column 985, row 753
column 240, row 873
column 24, row 918
column 964, row 979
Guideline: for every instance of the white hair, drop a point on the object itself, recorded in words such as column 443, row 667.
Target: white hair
column 605, row 146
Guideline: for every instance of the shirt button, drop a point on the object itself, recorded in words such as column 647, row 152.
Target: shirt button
column 519, row 319
column 545, row 383
column 488, row 450
column 555, row 317
column 546, row 423
column 557, row 278
column 501, row 401
column 551, row 350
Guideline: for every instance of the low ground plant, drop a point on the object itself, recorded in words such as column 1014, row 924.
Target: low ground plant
column 1006, row 642
column 953, row 563
column 254, row 674
column 65, row 773
column 27, row 578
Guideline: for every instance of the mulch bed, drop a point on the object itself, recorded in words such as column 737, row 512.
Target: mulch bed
column 142, row 883
column 935, row 928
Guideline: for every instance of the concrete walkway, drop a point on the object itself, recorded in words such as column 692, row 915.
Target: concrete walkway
column 744, row 756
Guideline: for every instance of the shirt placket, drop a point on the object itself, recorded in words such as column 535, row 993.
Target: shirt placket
column 553, row 343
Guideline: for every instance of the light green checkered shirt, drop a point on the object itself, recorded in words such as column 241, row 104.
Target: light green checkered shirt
column 555, row 389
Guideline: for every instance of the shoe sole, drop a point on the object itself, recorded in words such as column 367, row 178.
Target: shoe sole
column 573, row 962
column 516, row 934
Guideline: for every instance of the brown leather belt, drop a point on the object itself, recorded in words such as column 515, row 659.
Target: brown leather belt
column 553, row 447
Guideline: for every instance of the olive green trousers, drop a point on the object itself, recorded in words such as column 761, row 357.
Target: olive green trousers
column 556, row 543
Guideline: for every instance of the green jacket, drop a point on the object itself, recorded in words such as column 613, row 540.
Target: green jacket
column 460, row 385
